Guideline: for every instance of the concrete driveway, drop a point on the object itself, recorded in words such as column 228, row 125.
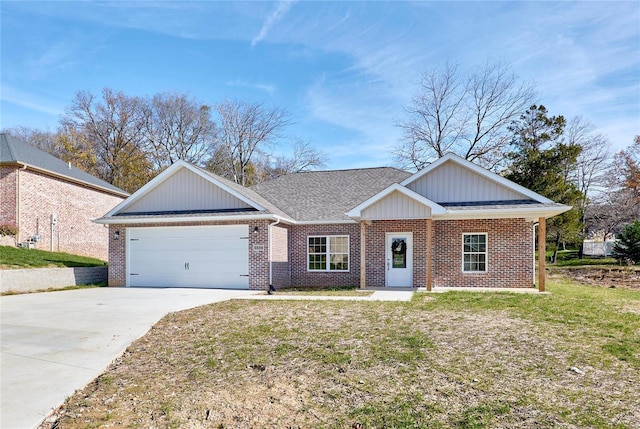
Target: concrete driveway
column 55, row 343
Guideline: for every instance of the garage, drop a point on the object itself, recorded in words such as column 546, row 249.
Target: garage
column 188, row 256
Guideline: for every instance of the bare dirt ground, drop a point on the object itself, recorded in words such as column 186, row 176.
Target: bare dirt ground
column 606, row 276
column 455, row 362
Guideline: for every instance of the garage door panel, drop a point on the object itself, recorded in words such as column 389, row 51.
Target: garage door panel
column 209, row 257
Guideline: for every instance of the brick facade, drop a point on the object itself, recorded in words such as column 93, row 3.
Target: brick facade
column 510, row 253
column 281, row 264
column 375, row 237
column 258, row 250
column 301, row 277
column 8, row 191
column 509, row 242
column 29, row 198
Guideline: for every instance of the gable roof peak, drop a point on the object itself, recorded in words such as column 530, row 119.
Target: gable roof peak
column 481, row 171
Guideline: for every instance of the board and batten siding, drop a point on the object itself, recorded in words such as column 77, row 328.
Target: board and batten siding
column 171, row 195
column 452, row 183
column 396, row 205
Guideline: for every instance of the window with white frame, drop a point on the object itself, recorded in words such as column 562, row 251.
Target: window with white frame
column 328, row 253
column 474, row 253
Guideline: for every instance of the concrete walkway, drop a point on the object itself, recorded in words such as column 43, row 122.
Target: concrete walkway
column 55, row 343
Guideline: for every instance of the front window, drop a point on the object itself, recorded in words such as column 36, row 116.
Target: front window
column 328, row 253
column 474, row 253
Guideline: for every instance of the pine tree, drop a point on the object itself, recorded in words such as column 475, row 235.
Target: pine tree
column 627, row 248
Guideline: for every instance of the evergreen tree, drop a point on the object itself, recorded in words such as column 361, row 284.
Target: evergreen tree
column 627, row 248
column 542, row 162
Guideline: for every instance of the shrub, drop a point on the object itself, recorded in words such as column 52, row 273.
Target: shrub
column 8, row 229
column 627, row 248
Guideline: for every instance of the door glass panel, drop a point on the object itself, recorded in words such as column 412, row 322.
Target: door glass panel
column 399, row 253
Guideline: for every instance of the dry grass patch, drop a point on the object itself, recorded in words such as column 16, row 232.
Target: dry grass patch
column 460, row 360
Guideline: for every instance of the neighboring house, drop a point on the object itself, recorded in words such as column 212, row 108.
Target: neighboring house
column 450, row 224
column 53, row 203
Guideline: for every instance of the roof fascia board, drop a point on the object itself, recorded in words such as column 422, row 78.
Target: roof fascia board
column 169, row 219
column 436, row 208
column 479, row 170
column 325, row 222
column 529, row 213
column 67, row 178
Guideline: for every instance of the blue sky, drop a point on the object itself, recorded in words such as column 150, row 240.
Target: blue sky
column 344, row 70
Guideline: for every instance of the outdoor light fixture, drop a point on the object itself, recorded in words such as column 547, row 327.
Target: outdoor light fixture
column 116, row 235
column 255, row 230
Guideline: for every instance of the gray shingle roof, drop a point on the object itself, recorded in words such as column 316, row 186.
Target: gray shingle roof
column 14, row 151
column 248, row 193
column 327, row 195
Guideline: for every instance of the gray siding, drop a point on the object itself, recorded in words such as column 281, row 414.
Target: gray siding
column 452, row 183
column 186, row 190
column 396, row 205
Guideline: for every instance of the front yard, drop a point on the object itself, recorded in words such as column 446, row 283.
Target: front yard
column 454, row 360
column 15, row 258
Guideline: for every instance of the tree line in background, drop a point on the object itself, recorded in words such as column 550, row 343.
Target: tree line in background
column 127, row 140
column 486, row 116
column 489, row 117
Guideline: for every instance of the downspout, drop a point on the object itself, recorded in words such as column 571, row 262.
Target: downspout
column 271, row 288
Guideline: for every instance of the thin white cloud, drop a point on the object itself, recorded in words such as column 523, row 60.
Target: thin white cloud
column 281, row 9
column 268, row 88
column 30, row 101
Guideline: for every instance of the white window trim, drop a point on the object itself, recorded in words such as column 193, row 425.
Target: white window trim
column 328, row 270
column 486, row 253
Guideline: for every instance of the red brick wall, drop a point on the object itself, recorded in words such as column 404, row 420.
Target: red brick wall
column 281, row 265
column 76, row 206
column 258, row 256
column 300, row 277
column 376, row 249
column 8, row 177
column 510, row 253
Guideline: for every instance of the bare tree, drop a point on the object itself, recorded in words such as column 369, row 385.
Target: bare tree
column 114, row 128
column 42, row 139
column 303, row 158
column 467, row 115
column 177, row 127
column 246, row 130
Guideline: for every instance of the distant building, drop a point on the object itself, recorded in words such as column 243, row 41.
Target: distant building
column 51, row 202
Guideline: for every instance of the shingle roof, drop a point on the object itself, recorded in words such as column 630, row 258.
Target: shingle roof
column 327, row 195
column 14, row 151
column 248, row 193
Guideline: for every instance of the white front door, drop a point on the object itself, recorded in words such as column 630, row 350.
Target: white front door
column 399, row 259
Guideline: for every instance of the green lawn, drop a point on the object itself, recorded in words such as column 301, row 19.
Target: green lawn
column 570, row 359
column 15, row 257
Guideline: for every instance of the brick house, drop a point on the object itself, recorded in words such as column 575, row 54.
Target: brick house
column 51, row 202
column 451, row 224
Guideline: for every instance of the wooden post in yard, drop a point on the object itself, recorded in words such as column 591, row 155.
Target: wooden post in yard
column 542, row 253
column 429, row 254
column 363, row 256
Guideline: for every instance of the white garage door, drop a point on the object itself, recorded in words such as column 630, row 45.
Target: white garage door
column 185, row 256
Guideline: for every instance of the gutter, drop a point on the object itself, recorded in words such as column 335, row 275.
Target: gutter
column 116, row 220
